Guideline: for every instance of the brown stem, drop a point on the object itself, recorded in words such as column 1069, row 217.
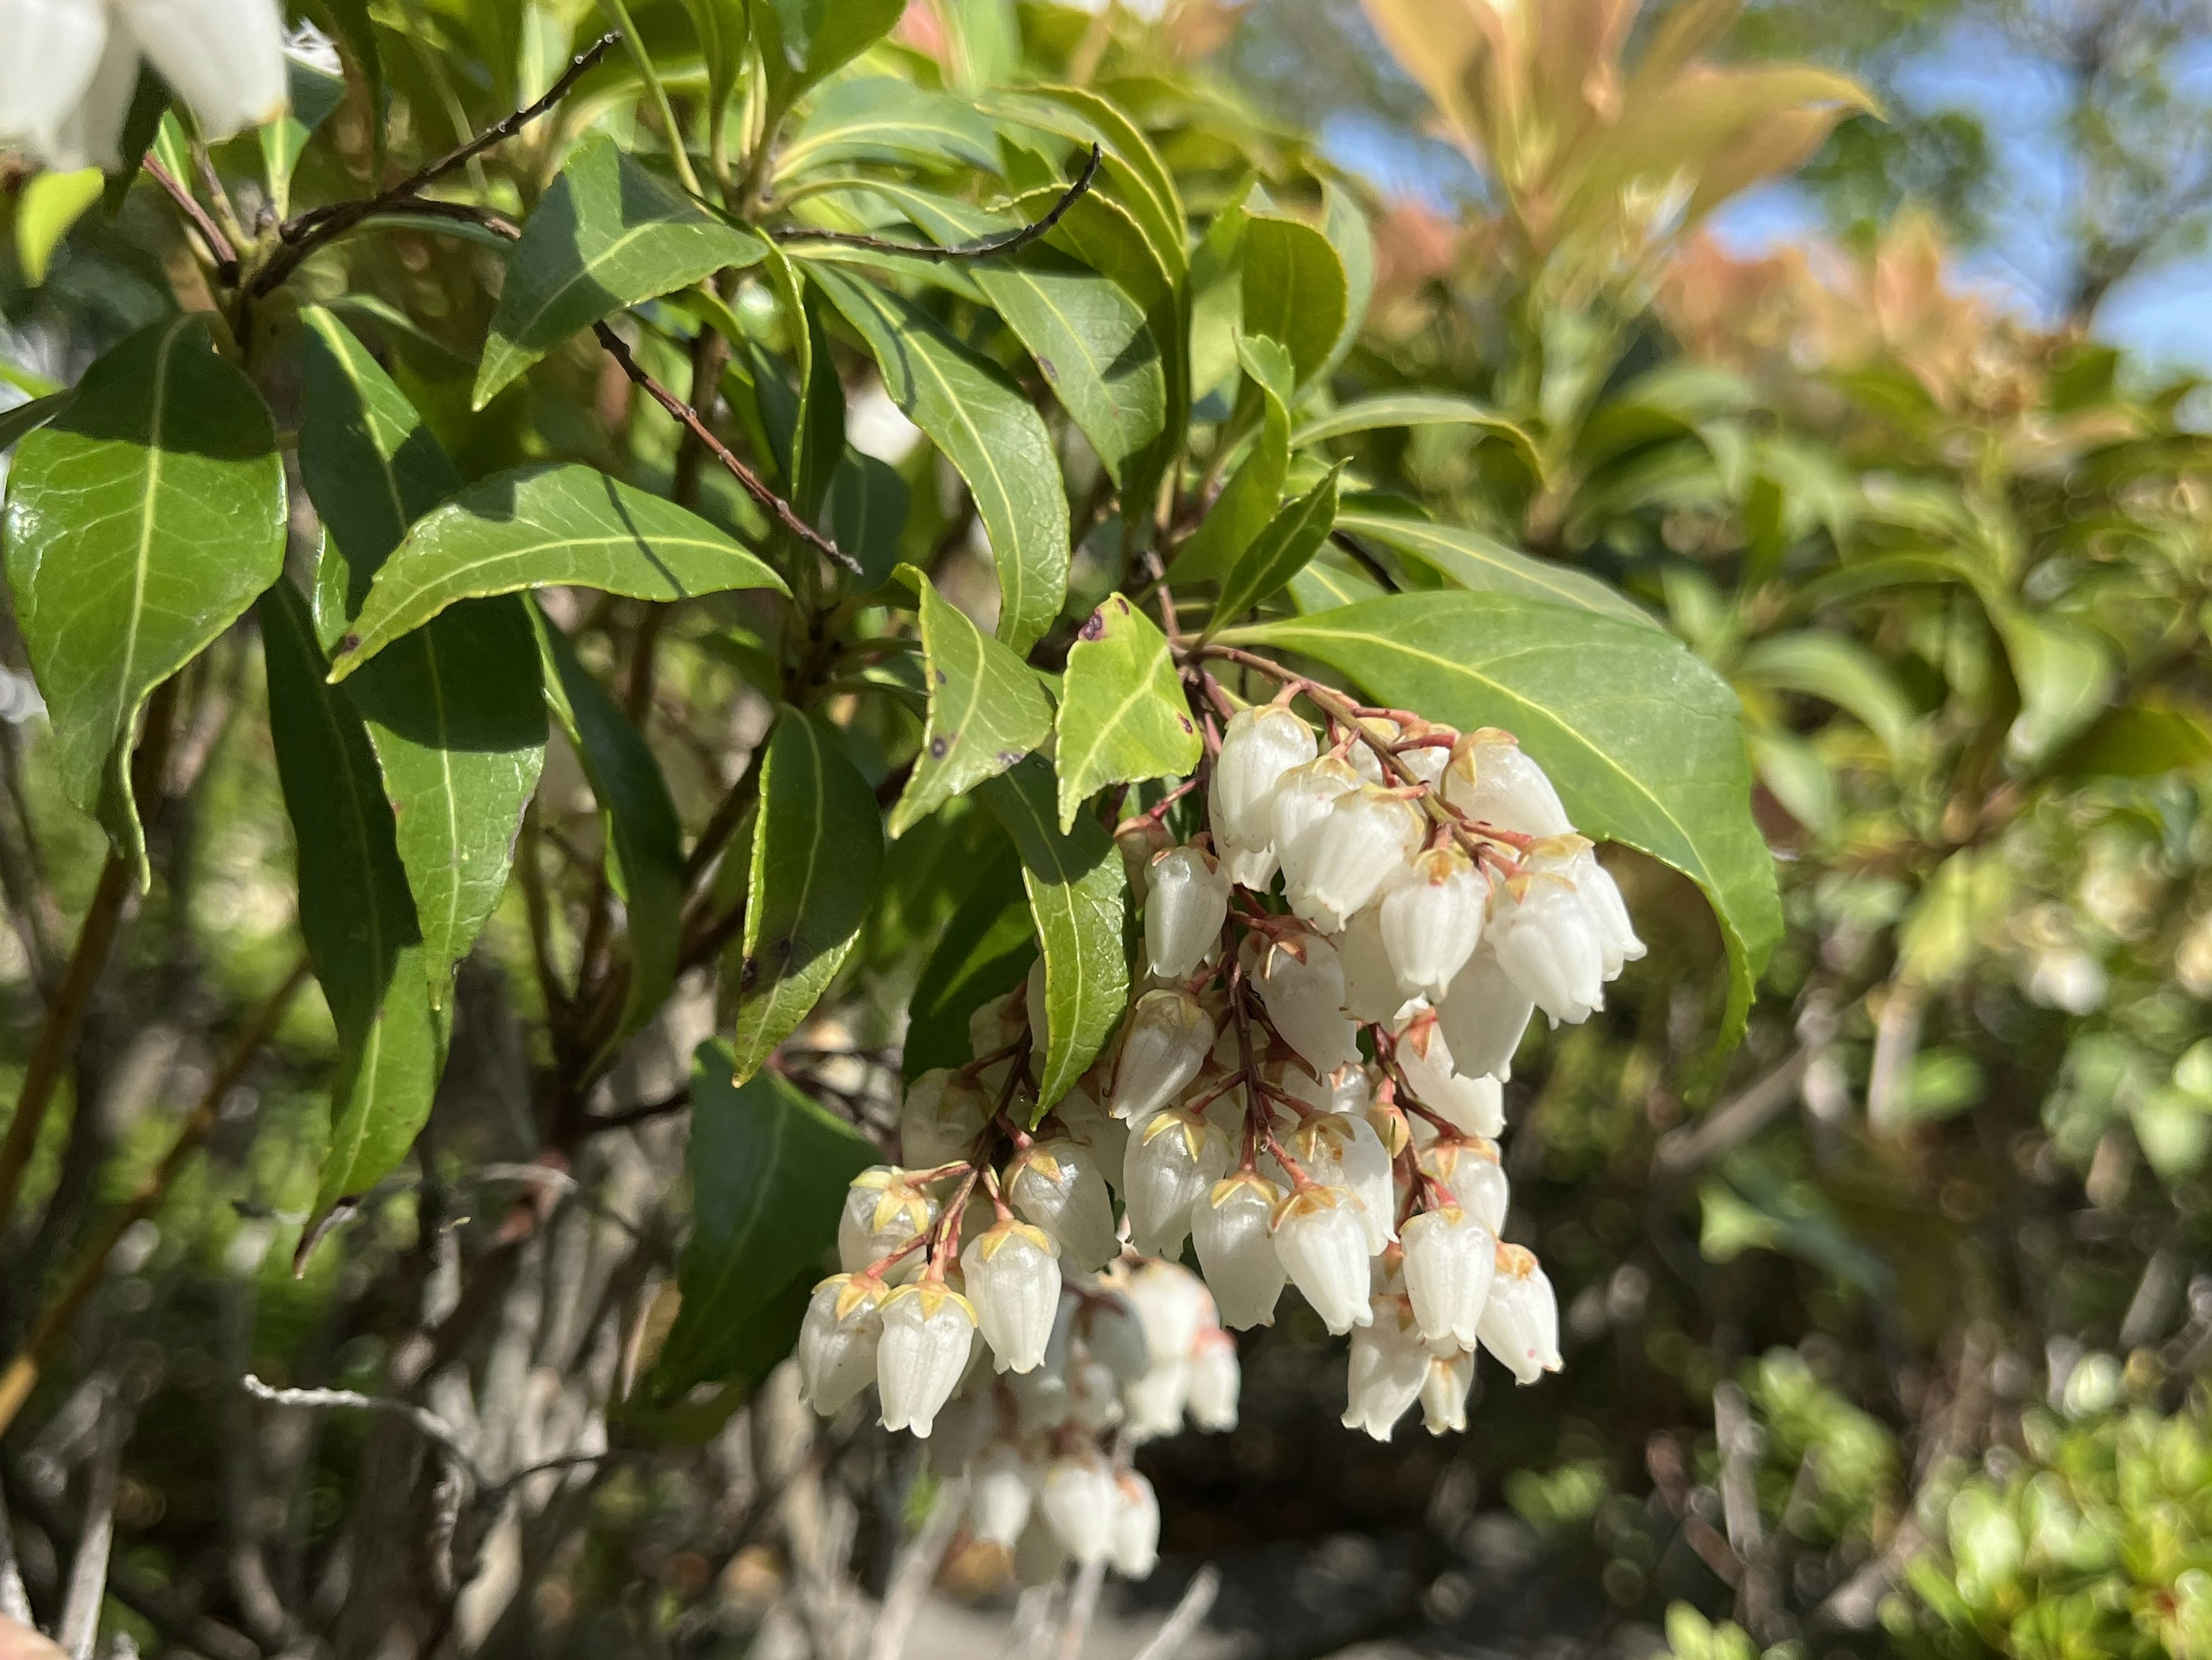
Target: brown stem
column 1011, row 242
column 222, row 255
column 23, row 1372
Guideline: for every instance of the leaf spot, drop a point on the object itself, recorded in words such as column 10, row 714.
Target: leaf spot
column 1095, row 629
column 939, row 748
column 1008, row 758
column 749, row 974
column 1187, row 725
column 940, row 676
column 351, row 642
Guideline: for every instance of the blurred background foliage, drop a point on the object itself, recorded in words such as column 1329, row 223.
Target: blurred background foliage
column 1892, row 1338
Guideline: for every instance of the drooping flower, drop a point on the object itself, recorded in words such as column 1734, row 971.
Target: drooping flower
column 1389, row 1363
column 1001, row 1493
column 1371, row 978
column 1216, row 1380
column 1056, row 1184
column 1432, row 922
column 941, row 1118
column 1549, row 944
column 928, row 1330
column 1257, row 748
column 1166, row 1040
column 1467, row 1168
column 1184, row 909
column 1174, row 1160
column 883, row 1211
column 1012, row 1272
column 1443, row 1392
column 1493, row 782
column 1483, row 1018
column 1341, row 1149
column 1521, row 1321
column 1450, row 1259
column 1135, row 1546
column 837, row 1341
column 1079, row 1503
column 1231, row 1227
column 1303, row 986
column 1321, row 1238
column 1361, row 849
column 1473, row 1105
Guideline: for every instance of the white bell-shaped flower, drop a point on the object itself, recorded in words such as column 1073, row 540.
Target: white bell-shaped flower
column 1492, row 782
column 928, row 1331
column 1135, row 1550
column 1114, row 1333
column 1257, row 748
column 1600, row 897
column 1365, row 761
column 1426, row 761
column 1341, row 1149
column 1302, row 983
column 1079, row 1503
column 1302, row 805
column 1321, row 1235
column 1231, row 1227
column 1432, row 921
column 1094, row 1396
column 1000, row 1023
column 1443, row 1392
column 837, row 1341
column 1164, row 1041
column 1173, row 1305
column 1468, row 1168
column 883, row 1211
column 1549, row 945
column 1360, row 850
column 1012, row 1274
column 1371, row 978
column 1154, row 1402
column 224, row 57
column 1056, row 1184
column 1483, row 1018
column 1521, row 1321
column 1450, row 1258
column 1187, row 902
column 1250, row 867
column 1001, row 1493
column 1173, row 1162
column 1042, row 1398
column 1473, row 1105
column 1089, row 1125
column 1389, row 1363
column 941, row 1118
column 1216, row 1381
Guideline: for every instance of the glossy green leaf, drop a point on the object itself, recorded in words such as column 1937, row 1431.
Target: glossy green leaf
column 1247, row 504
column 1281, row 552
column 804, row 41
column 868, row 503
column 356, row 912
column 49, row 204
column 724, row 32
column 1413, row 409
column 1484, row 565
column 2139, row 740
column 813, row 440
column 1331, row 579
column 1349, row 234
column 1079, row 898
column 1295, row 290
column 984, row 951
column 141, row 521
column 607, row 235
column 1088, row 337
column 1132, row 171
column 644, row 838
column 986, row 708
column 818, row 850
column 29, row 416
column 455, row 711
column 880, row 119
column 538, row 527
column 1838, row 669
column 1123, row 718
column 989, row 430
column 1642, row 740
column 2065, row 673
column 768, row 1172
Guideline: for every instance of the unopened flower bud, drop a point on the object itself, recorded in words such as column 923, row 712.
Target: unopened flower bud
column 1350, row 857
column 1079, row 1503
column 1056, row 1183
column 1483, row 1018
column 941, row 1118
column 1321, row 1238
column 1469, row 1169
column 1371, row 978
column 1216, row 1380
column 1231, row 1227
column 1521, row 1321
column 1134, row 1550
column 1187, row 902
column 1432, row 922
column 837, row 1341
column 1389, row 1363
column 1443, row 1392
column 1012, row 1274
column 1257, row 748
column 928, row 1331
column 1166, row 1041
column 1303, row 991
column 1450, row 1258
column 883, row 1211
column 1492, row 782
column 1002, row 1491
column 1547, row 943
column 1172, row 1161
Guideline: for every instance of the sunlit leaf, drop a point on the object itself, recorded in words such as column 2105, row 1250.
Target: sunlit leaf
column 1122, row 715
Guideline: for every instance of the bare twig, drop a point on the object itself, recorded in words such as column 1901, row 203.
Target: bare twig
column 1743, row 1114
column 1189, row 1612
column 432, row 1427
column 1082, row 1607
column 915, row 1572
column 1012, row 241
column 87, row 1576
column 220, row 252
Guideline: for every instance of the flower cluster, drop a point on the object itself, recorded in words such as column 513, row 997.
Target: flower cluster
column 1305, row 1091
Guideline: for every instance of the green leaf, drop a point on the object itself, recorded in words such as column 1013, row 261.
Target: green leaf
column 803, row 42
column 1131, row 172
column 1249, row 502
column 1332, row 578
column 1349, row 234
column 29, row 416
column 1079, row 898
column 983, row 952
column 1413, row 409
column 1281, row 552
column 1484, row 565
column 818, row 850
column 607, row 235
column 768, row 1173
column 724, row 31
column 50, row 203
column 868, row 504
column 2139, row 740
column 1122, row 715
column 880, row 120
column 455, row 711
column 988, row 429
column 356, row 912
column 645, row 839
column 814, row 445
column 986, row 708
column 1838, row 671
column 1642, row 740
column 141, row 521
column 1088, row 337
column 538, row 527
column 2065, row 674
column 1295, row 290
